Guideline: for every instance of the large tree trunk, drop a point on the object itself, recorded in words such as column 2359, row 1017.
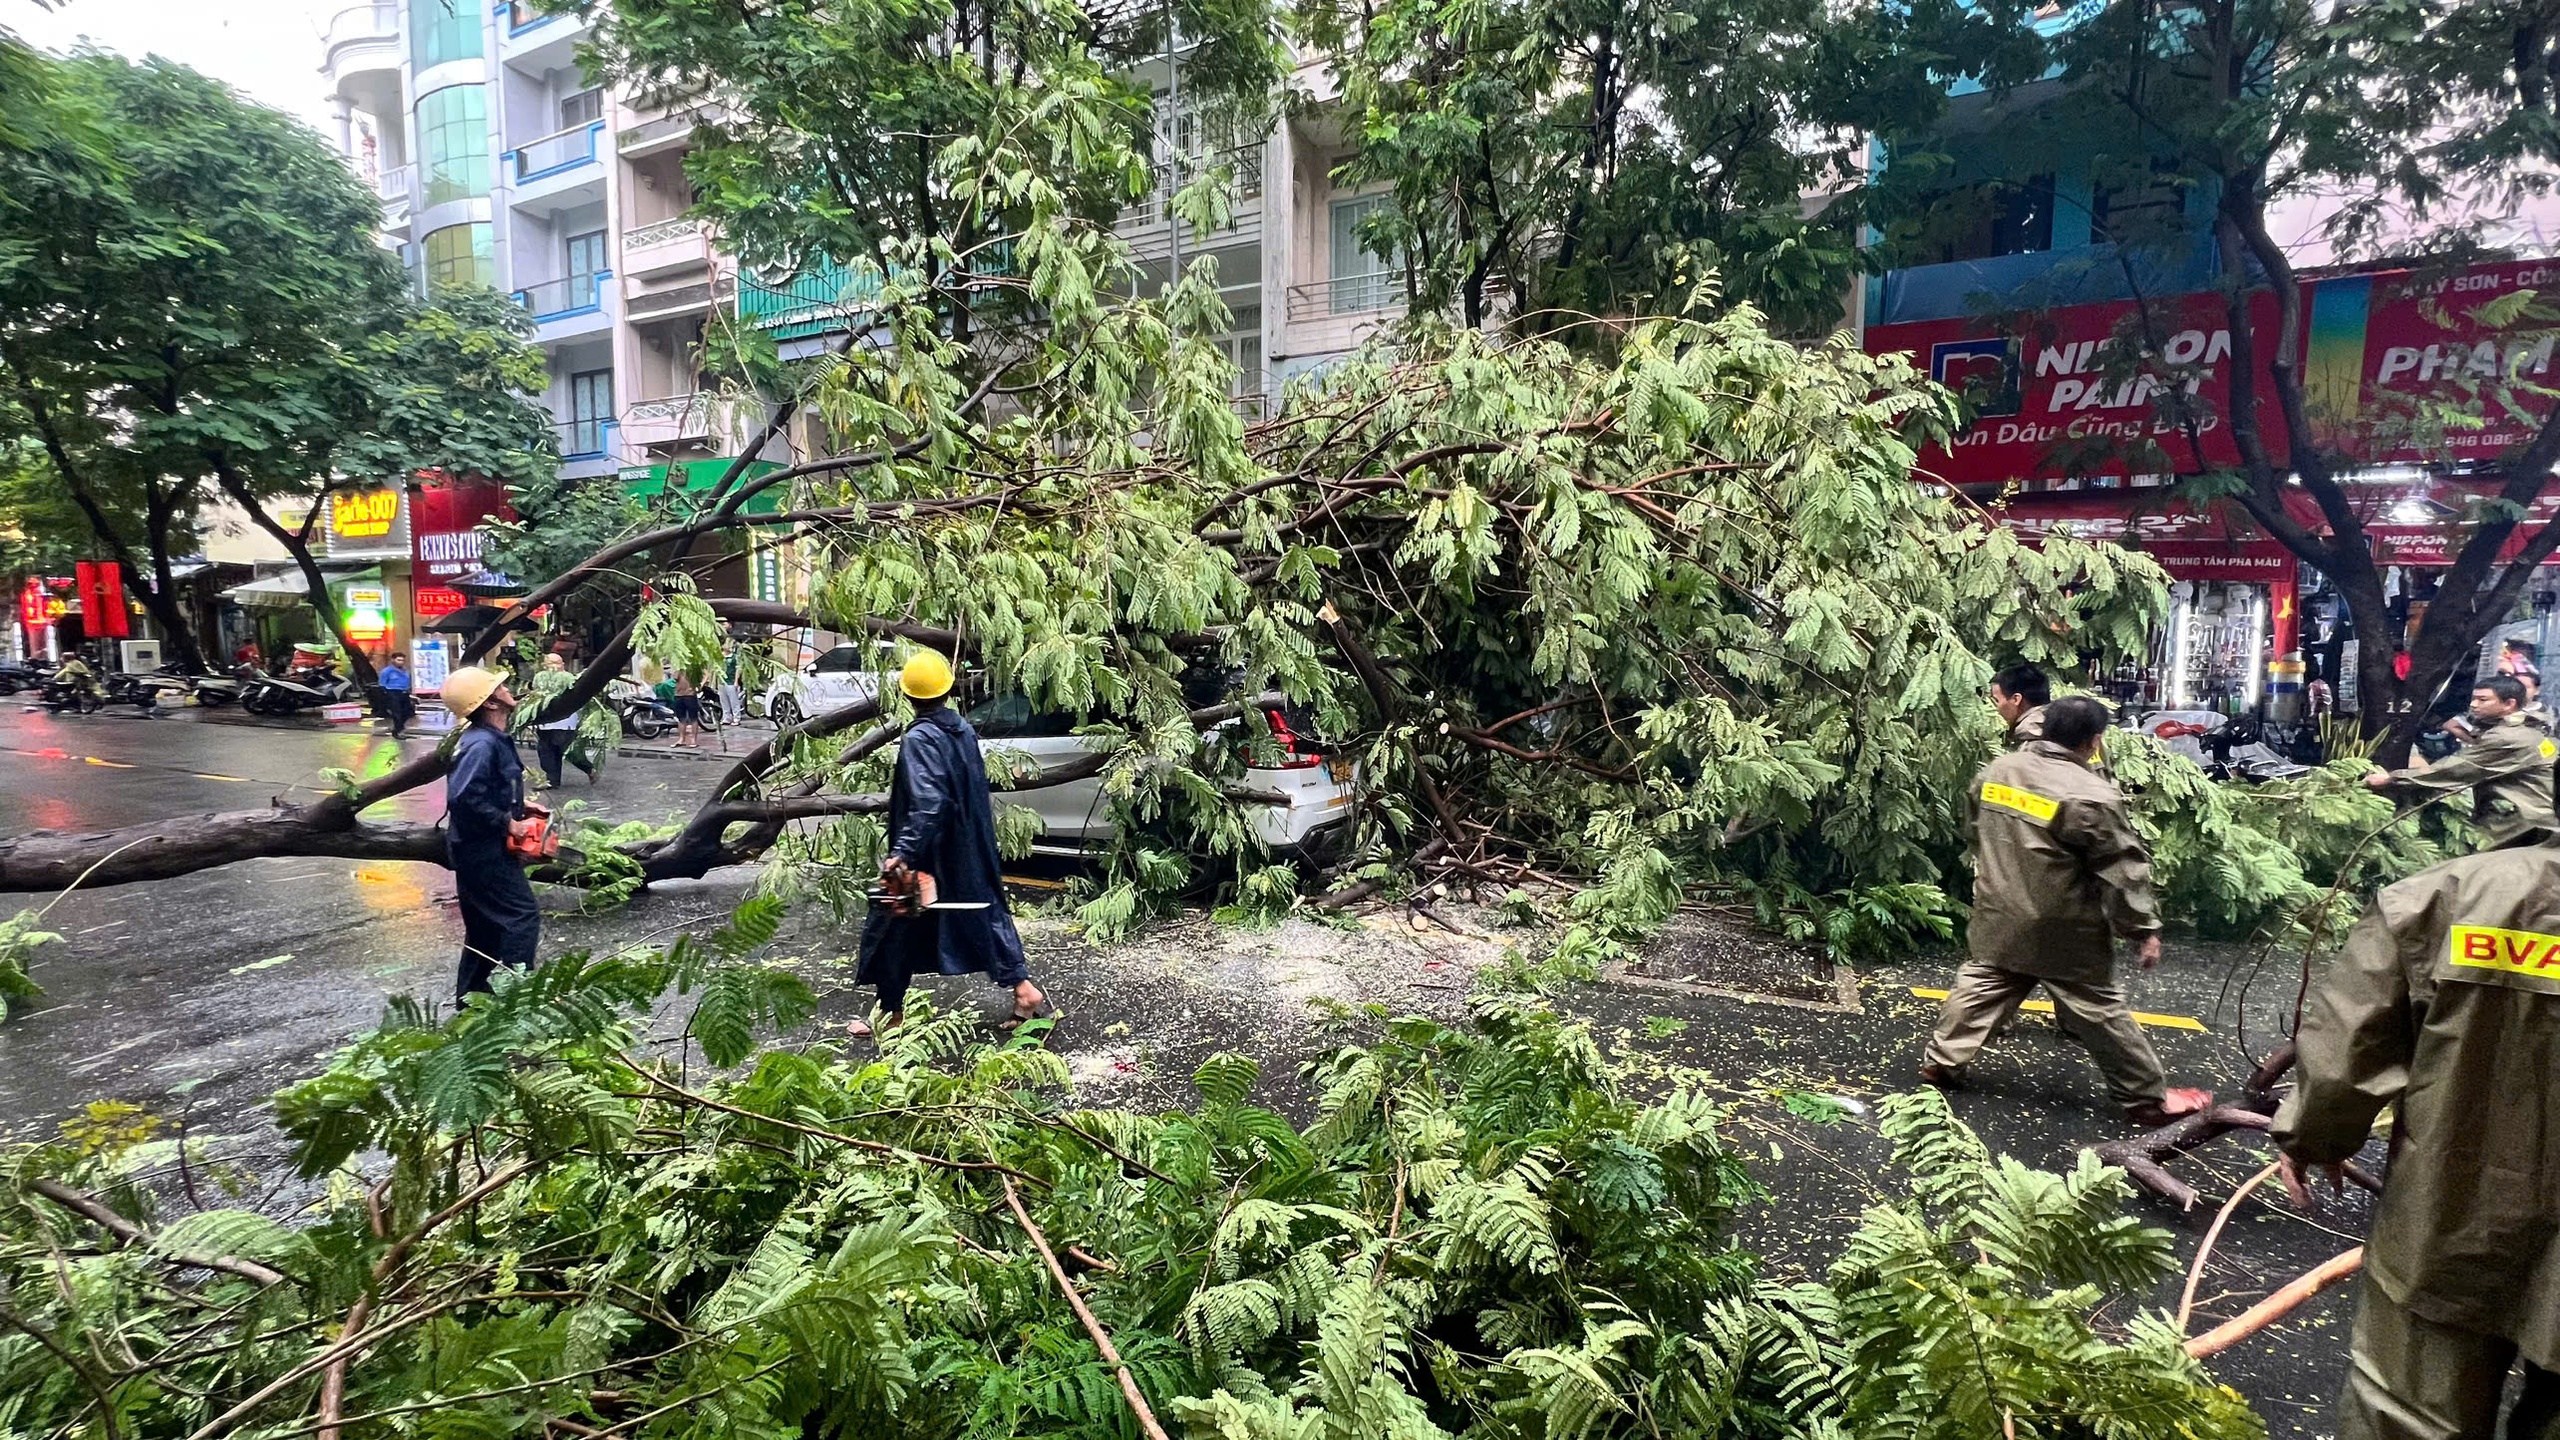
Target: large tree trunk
column 163, row 600
column 299, row 547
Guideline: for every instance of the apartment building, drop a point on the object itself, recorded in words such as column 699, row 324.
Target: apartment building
column 498, row 164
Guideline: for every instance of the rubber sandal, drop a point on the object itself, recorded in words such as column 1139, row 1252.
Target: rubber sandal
column 1045, row 1010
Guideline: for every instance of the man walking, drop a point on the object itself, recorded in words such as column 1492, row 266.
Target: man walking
column 398, row 703
column 2506, row 767
column 2060, row 875
column 942, row 857
column 483, row 805
column 554, row 741
column 2445, row 1005
column 2021, row 693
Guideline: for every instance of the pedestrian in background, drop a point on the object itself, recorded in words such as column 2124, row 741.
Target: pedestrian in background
column 399, row 704
column 554, row 740
column 483, row 807
column 2020, row 694
column 686, row 701
column 2445, row 1006
column 733, row 695
column 2059, row 876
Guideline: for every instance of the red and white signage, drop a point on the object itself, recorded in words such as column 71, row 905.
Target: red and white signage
column 2087, row 390
column 444, row 529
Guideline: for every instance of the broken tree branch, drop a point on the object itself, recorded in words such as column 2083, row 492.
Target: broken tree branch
column 1101, row 1337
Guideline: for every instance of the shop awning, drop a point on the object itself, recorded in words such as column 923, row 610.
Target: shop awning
column 286, row 588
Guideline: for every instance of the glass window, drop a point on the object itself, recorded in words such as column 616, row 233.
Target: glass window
column 442, row 30
column 1361, row 280
column 586, row 262
column 453, row 135
column 590, row 407
column 461, row 255
column 584, row 108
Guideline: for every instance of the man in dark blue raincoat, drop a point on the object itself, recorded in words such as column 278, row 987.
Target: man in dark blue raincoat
column 942, row 824
column 483, row 804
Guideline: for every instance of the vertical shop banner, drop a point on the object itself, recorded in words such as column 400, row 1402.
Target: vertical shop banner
column 102, row 610
column 430, row 664
column 444, row 529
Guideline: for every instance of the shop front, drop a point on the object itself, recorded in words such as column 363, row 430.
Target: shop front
column 750, row 565
column 446, row 545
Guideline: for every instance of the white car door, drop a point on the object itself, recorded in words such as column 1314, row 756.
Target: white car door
column 1074, row 814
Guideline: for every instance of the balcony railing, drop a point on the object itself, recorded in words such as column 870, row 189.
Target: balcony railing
column 588, row 439
column 1346, row 295
column 363, row 22
column 397, row 189
column 665, row 232
column 1243, row 162
column 571, row 295
column 671, row 417
column 561, row 150
column 678, row 300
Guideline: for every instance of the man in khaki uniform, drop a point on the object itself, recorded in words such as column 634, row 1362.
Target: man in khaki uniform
column 2507, row 768
column 2059, row 876
column 2021, row 693
column 2445, row 1005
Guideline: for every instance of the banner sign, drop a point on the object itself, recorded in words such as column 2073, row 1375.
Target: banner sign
column 2087, row 390
column 444, row 528
column 102, row 612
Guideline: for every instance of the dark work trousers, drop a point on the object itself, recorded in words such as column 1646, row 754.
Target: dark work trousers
column 550, row 747
column 399, row 709
column 501, row 924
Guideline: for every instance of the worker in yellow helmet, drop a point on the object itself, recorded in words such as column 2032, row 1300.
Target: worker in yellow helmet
column 947, row 914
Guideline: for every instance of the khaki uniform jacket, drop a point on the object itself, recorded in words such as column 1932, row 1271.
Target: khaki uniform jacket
column 2446, row 1003
column 2059, row 872
column 2507, row 768
column 2028, row 729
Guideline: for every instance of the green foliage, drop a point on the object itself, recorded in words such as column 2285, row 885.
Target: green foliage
column 19, row 940
column 1482, row 1233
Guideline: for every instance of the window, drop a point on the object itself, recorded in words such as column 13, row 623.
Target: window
column 1361, row 279
column 1010, row 717
column 842, row 660
column 1979, row 222
column 1243, row 346
column 442, row 30
column 461, row 255
column 2139, row 210
column 584, row 108
column 586, row 263
column 453, row 136
column 590, row 409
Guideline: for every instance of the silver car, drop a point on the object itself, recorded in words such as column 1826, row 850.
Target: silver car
column 1299, row 806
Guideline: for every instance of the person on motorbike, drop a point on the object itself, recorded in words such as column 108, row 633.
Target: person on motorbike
column 75, row 673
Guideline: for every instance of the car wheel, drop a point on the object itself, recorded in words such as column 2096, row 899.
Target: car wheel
column 785, row 711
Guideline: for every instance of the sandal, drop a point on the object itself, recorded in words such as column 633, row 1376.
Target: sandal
column 861, row 1029
column 1042, row 1011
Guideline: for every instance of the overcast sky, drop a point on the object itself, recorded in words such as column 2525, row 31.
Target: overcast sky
column 267, row 49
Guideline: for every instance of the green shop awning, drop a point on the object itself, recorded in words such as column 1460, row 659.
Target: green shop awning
column 695, row 480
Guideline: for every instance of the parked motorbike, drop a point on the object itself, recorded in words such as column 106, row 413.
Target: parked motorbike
column 303, row 689
column 76, row 695
column 17, row 675
column 642, row 713
column 219, row 690
column 2227, row 747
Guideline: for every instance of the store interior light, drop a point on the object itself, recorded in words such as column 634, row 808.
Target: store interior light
column 2175, row 692
column 367, row 625
column 2257, row 645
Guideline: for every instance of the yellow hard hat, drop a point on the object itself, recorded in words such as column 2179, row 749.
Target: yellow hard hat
column 469, row 688
column 925, row 676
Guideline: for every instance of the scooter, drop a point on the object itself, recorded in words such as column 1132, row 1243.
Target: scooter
column 2225, row 747
column 75, row 695
column 305, row 689
column 642, row 713
column 215, row 691
column 17, row 675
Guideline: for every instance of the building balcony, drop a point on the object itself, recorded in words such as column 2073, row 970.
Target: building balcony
column 670, row 247
column 1148, row 225
column 556, row 153
column 1346, row 296
column 587, row 447
column 570, row 307
column 396, row 188
column 677, row 302
column 534, row 41
column 362, row 39
column 668, row 420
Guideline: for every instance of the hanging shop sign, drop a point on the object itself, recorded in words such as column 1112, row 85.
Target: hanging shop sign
column 367, row 613
column 434, row 602
column 367, row 522
column 444, row 528
column 102, row 607
column 2399, row 367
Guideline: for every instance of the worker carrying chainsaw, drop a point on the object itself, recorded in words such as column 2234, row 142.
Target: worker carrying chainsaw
column 2445, row 1005
column 2059, row 876
column 940, row 907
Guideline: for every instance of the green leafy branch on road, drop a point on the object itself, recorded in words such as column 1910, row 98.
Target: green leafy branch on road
column 530, row 1216
column 20, row 940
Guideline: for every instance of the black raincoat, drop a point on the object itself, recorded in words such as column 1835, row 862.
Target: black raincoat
column 942, row 822
column 501, row 923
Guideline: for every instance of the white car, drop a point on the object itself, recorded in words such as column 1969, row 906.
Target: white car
column 1299, row 806
column 842, row 676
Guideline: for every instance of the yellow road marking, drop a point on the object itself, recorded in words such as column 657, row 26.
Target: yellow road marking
column 110, row 764
column 2045, row 1007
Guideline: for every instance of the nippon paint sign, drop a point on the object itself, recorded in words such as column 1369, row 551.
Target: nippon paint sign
column 2398, row 367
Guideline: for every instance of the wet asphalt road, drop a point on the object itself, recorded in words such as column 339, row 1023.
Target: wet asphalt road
column 200, row 996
